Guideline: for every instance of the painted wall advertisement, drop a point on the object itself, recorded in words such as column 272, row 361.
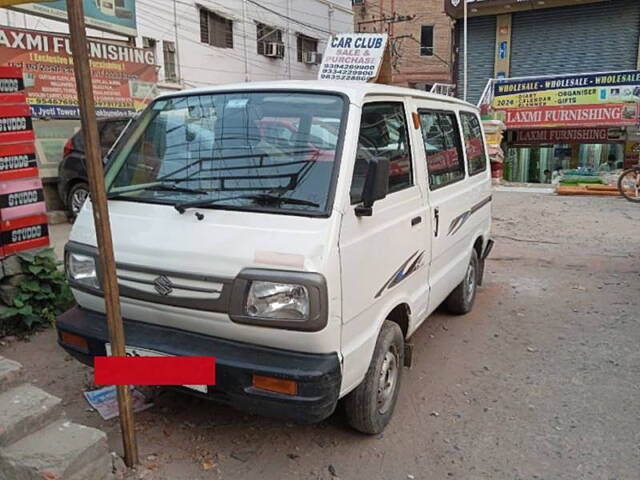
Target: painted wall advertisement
column 117, row 16
column 123, row 77
column 587, row 100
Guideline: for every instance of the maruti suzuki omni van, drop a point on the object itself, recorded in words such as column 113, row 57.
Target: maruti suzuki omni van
column 299, row 232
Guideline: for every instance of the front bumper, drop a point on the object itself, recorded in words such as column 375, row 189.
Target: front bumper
column 318, row 375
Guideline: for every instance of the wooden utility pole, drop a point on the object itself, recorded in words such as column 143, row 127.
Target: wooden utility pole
column 101, row 216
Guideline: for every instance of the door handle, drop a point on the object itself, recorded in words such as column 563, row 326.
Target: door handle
column 415, row 221
column 436, row 218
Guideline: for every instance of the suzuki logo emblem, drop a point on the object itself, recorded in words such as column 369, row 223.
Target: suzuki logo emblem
column 163, row 285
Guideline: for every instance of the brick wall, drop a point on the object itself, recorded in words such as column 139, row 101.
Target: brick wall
column 410, row 68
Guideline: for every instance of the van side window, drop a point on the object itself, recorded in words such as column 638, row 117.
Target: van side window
column 383, row 133
column 445, row 162
column 473, row 144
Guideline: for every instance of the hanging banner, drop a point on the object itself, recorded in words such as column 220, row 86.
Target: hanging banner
column 119, row 73
column 116, row 16
column 572, row 116
column 585, row 89
column 353, row 57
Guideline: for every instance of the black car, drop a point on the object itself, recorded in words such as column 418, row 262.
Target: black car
column 72, row 173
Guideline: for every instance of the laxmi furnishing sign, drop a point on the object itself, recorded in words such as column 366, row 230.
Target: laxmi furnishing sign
column 119, row 73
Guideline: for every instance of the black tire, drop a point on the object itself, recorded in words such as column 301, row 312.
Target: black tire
column 621, row 180
column 460, row 301
column 369, row 407
column 74, row 197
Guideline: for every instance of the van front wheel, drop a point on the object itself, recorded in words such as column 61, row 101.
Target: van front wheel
column 370, row 406
column 460, row 301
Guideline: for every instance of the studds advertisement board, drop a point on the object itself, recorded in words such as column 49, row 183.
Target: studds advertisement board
column 117, row 16
column 121, row 74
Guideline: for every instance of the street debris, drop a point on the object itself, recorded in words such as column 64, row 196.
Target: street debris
column 105, row 401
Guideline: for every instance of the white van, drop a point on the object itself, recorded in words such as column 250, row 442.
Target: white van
column 299, row 232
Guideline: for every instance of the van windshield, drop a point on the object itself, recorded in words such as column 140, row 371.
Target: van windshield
column 272, row 151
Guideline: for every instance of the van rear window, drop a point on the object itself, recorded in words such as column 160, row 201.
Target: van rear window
column 441, row 136
column 473, row 143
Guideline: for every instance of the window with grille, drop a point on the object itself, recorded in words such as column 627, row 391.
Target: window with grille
column 215, row 30
column 306, row 45
column 169, row 54
column 267, row 35
column 426, row 40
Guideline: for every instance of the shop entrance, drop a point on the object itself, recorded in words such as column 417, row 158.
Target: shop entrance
column 536, row 164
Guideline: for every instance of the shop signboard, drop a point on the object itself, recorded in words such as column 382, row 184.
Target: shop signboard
column 587, row 89
column 116, row 16
column 572, row 116
column 551, row 136
column 123, row 77
column 353, row 56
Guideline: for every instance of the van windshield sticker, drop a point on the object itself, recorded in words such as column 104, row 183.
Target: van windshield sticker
column 237, row 103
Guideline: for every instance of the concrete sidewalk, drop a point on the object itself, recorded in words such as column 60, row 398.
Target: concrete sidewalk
column 59, row 235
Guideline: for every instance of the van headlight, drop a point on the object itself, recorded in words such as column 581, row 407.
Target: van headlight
column 279, row 299
column 81, row 270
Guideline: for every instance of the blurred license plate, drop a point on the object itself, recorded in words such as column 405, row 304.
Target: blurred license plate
column 143, row 352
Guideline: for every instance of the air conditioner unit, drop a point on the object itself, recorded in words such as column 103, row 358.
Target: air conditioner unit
column 274, row 49
column 311, row 58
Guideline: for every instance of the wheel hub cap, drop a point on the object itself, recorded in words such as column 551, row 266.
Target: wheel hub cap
column 387, row 381
column 78, row 200
column 470, row 282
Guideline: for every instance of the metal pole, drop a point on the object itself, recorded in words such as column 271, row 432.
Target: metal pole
column 175, row 30
column 244, row 37
column 288, row 40
column 466, row 66
column 101, row 216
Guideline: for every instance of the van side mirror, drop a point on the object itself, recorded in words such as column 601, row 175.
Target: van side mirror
column 376, row 185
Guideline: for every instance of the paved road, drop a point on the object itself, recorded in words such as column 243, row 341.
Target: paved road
column 540, row 381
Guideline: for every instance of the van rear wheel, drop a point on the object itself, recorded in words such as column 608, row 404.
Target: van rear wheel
column 460, row 301
column 370, row 406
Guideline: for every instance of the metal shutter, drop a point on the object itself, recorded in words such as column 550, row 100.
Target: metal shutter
column 481, row 40
column 597, row 37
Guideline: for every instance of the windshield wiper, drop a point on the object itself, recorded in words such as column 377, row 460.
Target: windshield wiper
column 161, row 187
column 264, row 198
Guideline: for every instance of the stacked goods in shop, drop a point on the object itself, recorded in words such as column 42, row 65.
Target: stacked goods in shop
column 494, row 131
column 23, row 219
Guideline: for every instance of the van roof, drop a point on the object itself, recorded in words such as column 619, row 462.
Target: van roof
column 356, row 91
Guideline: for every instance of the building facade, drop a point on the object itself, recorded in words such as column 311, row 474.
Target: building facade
column 208, row 42
column 563, row 75
column 420, row 34
column 177, row 44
